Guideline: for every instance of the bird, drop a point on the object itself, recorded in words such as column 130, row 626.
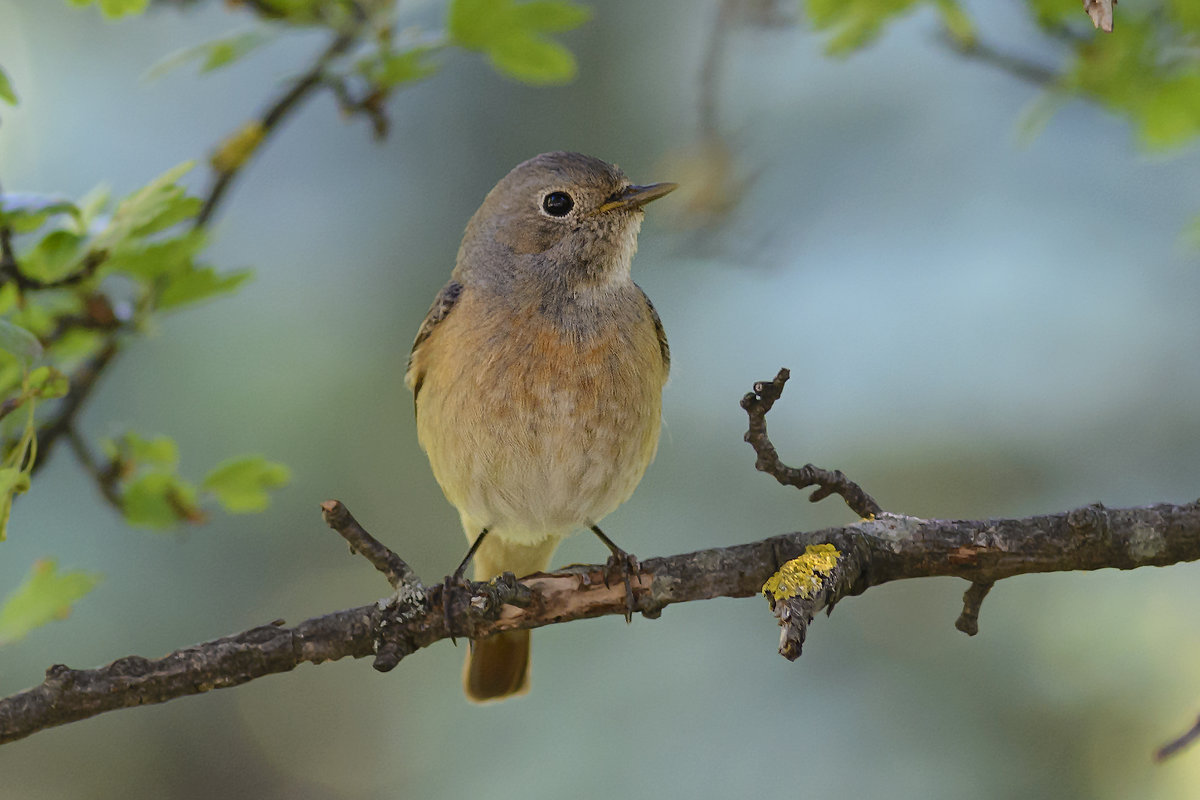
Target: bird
column 537, row 377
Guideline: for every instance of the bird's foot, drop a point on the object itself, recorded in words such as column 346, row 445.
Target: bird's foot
column 456, row 593
column 456, row 584
column 623, row 566
column 620, row 564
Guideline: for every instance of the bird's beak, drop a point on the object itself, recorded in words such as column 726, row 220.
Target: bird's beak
column 636, row 196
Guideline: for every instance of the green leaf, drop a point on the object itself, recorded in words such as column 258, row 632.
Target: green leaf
column 116, row 8
column 74, row 345
column 13, row 481
column 160, row 500
column 1186, row 13
column 6, row 90
column 200, row 284
column 25, row 213
column 161, row 451
column 956, row 22
column 392, row 69
column 19, row 342
column 853, row 23
column 512, row 35
column 39, row 318
column 48, row 383
column 1052, row 13
column 44, row 596
column 55, row 257
column 159, row 204
column 91, row 206
column 213, row 54
column 471, row 22
column 533, row 60
column 552, row 16
column 1170, row 113
column 241, row 484
column 223, row 52
column 8, row 296
column 1128, row 72
column 163, row 258
column 11, row 375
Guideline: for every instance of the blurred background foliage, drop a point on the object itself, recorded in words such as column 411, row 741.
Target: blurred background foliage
column 989, row 309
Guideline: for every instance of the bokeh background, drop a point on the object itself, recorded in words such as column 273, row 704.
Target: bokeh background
column 978, row 323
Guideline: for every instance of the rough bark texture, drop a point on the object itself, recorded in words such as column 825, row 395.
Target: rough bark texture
column 872, row 552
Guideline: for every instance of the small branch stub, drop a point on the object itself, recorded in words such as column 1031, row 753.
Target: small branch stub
column 968, row 620
column 801, row 588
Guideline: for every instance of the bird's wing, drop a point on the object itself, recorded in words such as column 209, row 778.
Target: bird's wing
column 663, row 347
column 442, row 304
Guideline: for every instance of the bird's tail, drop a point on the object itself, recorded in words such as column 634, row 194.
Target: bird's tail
column 498, row 666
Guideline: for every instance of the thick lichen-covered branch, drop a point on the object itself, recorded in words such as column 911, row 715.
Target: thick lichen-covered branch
column 871, row 552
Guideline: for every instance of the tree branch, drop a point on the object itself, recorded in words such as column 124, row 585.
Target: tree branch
column 1179, row 743
column 1028, row 71
column 83, row 381
column 273, row 117
column 832, row 564
column 873, row 552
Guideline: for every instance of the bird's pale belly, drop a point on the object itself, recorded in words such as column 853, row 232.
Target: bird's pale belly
column 566, row 438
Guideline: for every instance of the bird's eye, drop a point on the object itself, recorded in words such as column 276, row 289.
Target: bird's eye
column 558, row 204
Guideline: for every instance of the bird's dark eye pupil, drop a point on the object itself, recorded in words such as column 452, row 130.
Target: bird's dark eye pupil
column 558, row 204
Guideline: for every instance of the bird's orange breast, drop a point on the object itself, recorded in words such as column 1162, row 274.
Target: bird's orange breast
column 534, row 430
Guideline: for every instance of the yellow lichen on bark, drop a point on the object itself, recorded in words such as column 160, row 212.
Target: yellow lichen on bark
column 804, row 574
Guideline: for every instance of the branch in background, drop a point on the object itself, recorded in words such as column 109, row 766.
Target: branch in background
column 710, row 67
column 8, row 261
column 1171, row 748
column 371, row 105
column 83, row 381
column 1028, row 71
column 106, row 477
column 225, row 171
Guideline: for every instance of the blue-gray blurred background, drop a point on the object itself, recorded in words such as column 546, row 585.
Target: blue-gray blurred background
column 978, row 325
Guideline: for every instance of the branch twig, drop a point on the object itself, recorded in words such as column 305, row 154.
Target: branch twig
column 274, row 116
column 106, row 477
column 83, row 381
column 1179, row 743
column 393, row 567
column 1024, row 69
column 757, row 404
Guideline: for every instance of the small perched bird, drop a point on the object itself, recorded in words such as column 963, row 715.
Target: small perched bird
column 538, row 376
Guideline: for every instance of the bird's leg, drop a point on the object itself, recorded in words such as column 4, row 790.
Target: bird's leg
column 624, row 563
column 456, row 581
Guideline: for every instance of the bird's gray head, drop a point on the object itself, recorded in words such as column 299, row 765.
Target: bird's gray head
column 559, row 220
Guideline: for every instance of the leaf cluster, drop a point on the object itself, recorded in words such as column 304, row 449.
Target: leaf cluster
column 1147, row 70
column 79, row 278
